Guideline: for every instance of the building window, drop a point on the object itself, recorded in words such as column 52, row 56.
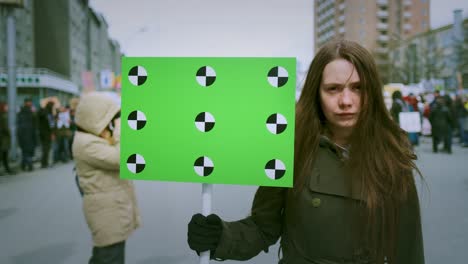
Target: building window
column 424, row 12
column 423, row 24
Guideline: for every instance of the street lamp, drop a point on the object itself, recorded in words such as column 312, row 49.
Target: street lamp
column 10, row 5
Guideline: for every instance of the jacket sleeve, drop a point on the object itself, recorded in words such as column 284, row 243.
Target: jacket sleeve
column 410, row 247
column 102, row 155
column 244, row 239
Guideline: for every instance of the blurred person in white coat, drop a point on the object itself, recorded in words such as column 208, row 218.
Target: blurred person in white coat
column 109, row 203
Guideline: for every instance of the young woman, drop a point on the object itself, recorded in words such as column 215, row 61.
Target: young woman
column 354, row 198
column 109, row 203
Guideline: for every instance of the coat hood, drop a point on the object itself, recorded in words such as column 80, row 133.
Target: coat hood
column 95, row 111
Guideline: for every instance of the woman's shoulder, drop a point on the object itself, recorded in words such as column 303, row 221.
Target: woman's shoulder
column 87, row 140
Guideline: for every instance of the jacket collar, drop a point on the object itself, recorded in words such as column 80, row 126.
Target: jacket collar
column 341, row 152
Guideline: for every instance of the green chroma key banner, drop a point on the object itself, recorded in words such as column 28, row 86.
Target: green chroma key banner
column 208, row 120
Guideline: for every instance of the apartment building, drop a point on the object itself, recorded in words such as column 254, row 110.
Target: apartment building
column 376, row 24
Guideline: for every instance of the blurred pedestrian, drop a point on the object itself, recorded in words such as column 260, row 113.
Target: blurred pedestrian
column 5, row 139
column 452, row 125
column 27, row 134
column 460, row 114
column 412, row 102
column 46, row 131
column 441, row 119
column 63, row 134
column 434, row 101
column 354, row 198
column 72, row 130
column 109, row 203
column 399, row 105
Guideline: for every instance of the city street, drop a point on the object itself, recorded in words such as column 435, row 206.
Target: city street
column 41, row 219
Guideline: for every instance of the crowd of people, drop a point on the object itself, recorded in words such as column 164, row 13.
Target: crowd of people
column 51, row 127
column 443, row 117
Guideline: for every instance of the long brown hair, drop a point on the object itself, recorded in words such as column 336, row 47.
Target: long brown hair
column 381, row 158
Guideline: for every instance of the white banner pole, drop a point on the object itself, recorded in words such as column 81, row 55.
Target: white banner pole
column 207, row 191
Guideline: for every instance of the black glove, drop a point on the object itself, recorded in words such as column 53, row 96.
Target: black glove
column 204, row 232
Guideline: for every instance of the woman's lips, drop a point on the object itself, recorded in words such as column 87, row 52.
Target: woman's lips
column 346, row 115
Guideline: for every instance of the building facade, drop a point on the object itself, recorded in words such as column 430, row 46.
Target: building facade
column 80, row 43
column 104, row 53
column 56, row 42
column 372, row 23
column 24, row 18
column 30, row 81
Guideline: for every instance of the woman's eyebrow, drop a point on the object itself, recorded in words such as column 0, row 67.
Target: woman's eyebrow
column 341, row 84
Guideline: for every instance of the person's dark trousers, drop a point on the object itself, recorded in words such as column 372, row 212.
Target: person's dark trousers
column 45, row 153
column 435, row 143
column 27, row 159
column 63, row 151
column 461, row 129
column 113, row 254
column 70, row 144
column 448, row 141
column 4, row 157
column 55, row 151
column 465, row 138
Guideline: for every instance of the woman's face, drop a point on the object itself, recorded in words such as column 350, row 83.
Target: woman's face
column 340, row 95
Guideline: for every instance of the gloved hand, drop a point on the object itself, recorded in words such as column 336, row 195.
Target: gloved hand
column 204, row 232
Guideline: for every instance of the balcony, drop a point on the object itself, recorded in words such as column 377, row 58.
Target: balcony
column 324, row 5
column 382, row 2
column 341, row 6
column 381, row 50
column 341, row 18
column 382, row 14
column 406, row 14
column 382, row 26
column 326, row 15
column 406, row 2
column 407, row 26
column 341, row 30
column 39, row 78
column 383, row 38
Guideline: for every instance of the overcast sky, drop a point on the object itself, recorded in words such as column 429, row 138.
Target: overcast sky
column 442, row 11
column 225, row 28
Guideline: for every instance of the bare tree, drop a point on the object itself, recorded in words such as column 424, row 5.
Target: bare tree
column 404, row 69
column 432, row 61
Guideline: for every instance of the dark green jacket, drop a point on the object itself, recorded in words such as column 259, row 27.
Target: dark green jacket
column 316, row 226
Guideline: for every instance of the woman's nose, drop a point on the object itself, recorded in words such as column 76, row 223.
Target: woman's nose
column 346, row 97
